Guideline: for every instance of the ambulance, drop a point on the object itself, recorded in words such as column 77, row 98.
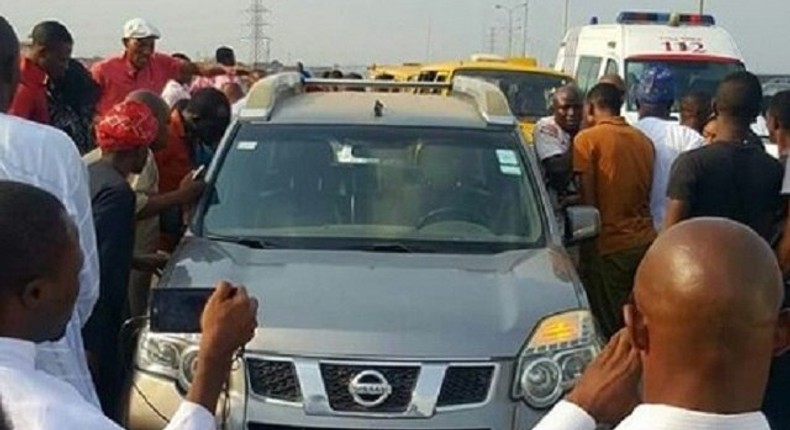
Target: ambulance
column 699, row 52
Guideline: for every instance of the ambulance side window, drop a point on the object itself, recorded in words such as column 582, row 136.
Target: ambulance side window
column 588, row 72
column 611, row 68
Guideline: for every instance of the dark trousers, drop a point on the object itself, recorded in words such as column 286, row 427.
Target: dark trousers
column 609, row 280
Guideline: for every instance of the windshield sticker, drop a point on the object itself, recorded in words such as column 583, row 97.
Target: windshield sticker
column 507, row 157
column 247, row 145
column 510, row 170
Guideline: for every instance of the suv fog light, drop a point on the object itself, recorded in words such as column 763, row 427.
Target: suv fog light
column 187, row 368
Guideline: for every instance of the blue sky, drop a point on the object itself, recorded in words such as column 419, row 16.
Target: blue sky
column 361, row 32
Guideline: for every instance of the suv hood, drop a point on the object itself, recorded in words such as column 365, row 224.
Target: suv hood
column 399, row 306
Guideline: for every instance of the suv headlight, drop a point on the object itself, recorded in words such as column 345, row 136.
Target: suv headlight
column 170, row 356
column 555, row 357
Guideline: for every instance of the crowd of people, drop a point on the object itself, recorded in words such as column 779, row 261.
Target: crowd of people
column 99, row 169
column 646, row 178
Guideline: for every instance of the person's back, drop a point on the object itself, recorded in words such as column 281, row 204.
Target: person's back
column 622, row 158
column 734, row 181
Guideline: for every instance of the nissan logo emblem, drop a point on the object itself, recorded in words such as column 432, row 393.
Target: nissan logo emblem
column 369, row 388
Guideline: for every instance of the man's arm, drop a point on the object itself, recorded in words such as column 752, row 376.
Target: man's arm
column 188, row 192
column 680, row 190
column 583, row 160
column 228, row 323
column 606, row 393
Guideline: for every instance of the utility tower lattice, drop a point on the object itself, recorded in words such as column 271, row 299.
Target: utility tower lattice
column 260, row 46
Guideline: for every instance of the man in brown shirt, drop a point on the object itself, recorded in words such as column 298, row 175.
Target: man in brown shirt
column 614, row 164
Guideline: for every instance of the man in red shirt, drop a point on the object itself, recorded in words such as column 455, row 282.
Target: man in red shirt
column 137, row 68
column 47, row 58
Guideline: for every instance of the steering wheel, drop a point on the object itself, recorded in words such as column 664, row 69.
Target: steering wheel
column 450, row 213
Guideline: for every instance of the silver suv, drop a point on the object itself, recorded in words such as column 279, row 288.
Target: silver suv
column 410, row 269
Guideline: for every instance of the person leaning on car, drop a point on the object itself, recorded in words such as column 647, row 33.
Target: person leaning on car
column 39, row 265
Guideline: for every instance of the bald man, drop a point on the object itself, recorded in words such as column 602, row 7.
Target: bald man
column 613, row 79
column 704, row 325
column 552, row 138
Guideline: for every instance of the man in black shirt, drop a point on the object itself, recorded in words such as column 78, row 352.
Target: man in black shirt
column 729, row 178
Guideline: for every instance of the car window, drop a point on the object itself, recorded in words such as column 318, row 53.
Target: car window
column 587, row 72
column 446, row 189
column 611, row 67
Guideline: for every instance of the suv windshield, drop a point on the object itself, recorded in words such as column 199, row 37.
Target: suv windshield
column 393, row 189
column 689, row 76
column 528, row 93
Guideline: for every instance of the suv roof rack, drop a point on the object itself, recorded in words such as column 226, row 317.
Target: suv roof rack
column 265, row 95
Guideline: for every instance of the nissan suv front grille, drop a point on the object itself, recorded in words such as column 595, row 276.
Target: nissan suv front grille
column 274, row 379
column 465, row 385
column 369, row 389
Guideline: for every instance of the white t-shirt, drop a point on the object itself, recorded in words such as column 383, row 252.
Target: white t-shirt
column 567, row 416
column 786, row 182
column 670, row 139
column 34, row 400
column 550, row 140
column 174, row 92
column 47, row 158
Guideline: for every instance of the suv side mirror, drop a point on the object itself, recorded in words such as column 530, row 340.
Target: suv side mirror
column 582, row 222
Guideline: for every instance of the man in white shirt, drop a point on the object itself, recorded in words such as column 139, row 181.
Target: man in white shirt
column 47, row 158
column 655, row 95
column 552, row 138
column 703, row 326
column 39, row 265
column 178, row 89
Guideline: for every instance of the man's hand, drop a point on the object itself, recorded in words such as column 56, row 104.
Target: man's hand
column 191, row 188
column 228, row 321
column 609, row 388
column 149, row 263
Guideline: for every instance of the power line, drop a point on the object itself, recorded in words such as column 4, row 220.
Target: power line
column 260, row 43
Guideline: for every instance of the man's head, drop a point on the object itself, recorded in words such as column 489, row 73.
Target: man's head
column 40, row 261
column 9, row 64
column 709, row 131
column 603, row 101
column 778, row 118
column 568, row 104
column 739, row 99
column 139, row 39
column 51, row 48
column 188, row 73
column 207, row 116
column 613, row 79
column 695, row 110
column 125, row 134
column 161, row 112
column 655, row 92
column 226, row 56
column 706, row 316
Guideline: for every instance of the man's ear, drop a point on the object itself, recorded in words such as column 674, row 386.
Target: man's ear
column 782, row 335
column 33, row 294
column 637, row 329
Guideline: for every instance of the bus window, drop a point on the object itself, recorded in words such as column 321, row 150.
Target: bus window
column 611, row 68
column 587, row 72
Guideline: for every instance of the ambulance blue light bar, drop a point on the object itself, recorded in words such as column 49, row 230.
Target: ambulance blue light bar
column 665, row 18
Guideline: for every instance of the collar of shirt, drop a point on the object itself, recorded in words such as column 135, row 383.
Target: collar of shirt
column 17, row 353
column 177, row 126
column 615, row 120
column 663, row 417
column 31, row 73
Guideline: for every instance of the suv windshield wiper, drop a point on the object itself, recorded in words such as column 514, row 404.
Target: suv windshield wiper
column 394, row 247
column 249, row 242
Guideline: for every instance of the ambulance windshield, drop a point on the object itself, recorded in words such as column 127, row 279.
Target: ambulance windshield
column 690, row 75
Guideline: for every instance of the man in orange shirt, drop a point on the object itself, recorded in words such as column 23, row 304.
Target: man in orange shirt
column 614, row 163
column 195, row 132
column 47, row 58
column 137, row 68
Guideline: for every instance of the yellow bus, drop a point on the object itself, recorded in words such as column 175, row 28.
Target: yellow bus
column 402, row 73
column 527, row 86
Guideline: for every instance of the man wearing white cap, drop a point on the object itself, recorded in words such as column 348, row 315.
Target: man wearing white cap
column 139, row 67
